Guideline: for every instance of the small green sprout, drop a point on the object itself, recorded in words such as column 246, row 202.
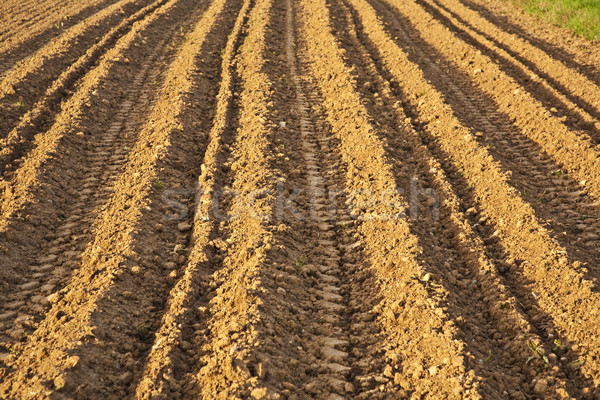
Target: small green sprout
column 537, row 353
column 557, row 345
column 575, row 363
column 541, row 198
column 159, row 184
column 300, row 262
column 14, row 351
column 488, row 356
column 21, row 104
column 88, row 331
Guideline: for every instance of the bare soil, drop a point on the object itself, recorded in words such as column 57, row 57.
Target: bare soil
column 330, row 199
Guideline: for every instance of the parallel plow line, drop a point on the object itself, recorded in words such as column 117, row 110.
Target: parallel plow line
column 518, row 229
column 160, row 368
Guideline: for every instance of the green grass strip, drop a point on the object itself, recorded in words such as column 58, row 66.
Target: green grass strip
column 581, row 16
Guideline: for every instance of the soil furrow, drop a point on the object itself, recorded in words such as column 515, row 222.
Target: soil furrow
column 575, row 86
column 44, row 20
column 23, row 85
column 538, row 258
column 407, row 299
column 47, row 110
column 30, row 35
column 465, row 269
column 100, row 167
column 556, row 198
column 573, row 108
column 576, row 53
column 168, row 360
column 571, row 149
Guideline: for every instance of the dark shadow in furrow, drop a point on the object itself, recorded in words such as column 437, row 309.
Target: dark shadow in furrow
column 439, row 240
column 33, row 44
column 160, row 247
column 186, row 359
column 189, row 150
column 47, row 117
column 517, row 284
column 501, row 128
column 210, row 66
column 540, row 93
column 29, row 90
column 592, row 72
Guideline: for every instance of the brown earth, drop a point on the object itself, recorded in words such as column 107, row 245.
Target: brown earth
column 329, row 199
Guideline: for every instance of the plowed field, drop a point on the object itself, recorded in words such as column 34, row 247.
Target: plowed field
column 294, row 199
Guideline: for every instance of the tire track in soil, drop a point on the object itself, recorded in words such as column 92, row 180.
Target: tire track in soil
column 409, row 306
column 327, row 336
column 47, row 109
column 172, row 354
column 576, row 91
column 579, row 57
column 106, row 160
column 556, row 198
column 91, row 101
column 513, row 328
column 30, row 76
column 570, row 148
column 477, row 297
column 570, row 108
column 54, row 182
column 113, row 146
column 538, row 259
column 28, row 43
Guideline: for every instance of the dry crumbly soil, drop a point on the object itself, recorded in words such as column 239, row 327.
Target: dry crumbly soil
column 294, row 199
